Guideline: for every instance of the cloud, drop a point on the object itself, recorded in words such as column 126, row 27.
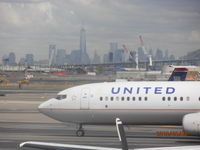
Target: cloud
column 22, row 1
column 33, row 24
column 194, row 36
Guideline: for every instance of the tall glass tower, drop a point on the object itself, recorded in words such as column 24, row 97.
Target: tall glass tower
column 84, row 56
column 52, row 54
column 82, row 41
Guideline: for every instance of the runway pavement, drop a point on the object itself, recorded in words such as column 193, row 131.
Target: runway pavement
column 20, row 121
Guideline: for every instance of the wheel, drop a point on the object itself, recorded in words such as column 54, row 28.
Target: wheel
column 80, row 133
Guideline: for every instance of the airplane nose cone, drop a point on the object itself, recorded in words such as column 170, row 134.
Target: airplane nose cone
column 45, row 106
column 41, row 107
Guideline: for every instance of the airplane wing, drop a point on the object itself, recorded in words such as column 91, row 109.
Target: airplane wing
column 122, row 139
column 56, row 146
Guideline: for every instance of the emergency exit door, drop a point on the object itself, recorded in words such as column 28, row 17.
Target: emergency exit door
column 85, row 98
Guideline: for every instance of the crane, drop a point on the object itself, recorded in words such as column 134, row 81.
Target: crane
column 145, row 51
column 136, row 56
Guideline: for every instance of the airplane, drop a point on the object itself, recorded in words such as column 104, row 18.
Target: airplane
column 122, row 139
column 135, row 103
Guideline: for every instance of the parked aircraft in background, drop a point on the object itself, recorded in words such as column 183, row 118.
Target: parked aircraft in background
column 184, row 73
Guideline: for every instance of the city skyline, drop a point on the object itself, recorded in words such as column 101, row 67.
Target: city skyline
column 114, row 55
column 28, row 26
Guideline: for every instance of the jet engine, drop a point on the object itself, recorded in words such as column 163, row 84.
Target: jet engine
column 191, row 123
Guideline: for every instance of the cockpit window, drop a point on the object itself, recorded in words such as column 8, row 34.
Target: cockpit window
column 60, row 97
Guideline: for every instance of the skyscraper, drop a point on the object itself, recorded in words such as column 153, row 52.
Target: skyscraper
column 166, row 57
column 96, row 59
column 82, row 41
column 12, row 59
column 141, row 54
column 60, row 57
column 52, row 54
column 75, row 57
column 113, row 49
column 29, row 59
column 159, row 54
column 119, row 56
column 84, row 56
column 5, row 60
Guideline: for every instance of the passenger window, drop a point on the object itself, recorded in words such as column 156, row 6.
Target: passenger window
column 199, row 98
column 117, row 98
column 133, row 98
column 163, row 98
column 122, row 98
column 175, row 98
column 181, row 98
column 101, row 98
column 106, row 98
column 128, row 98
column 140, row 98
column 169, row 98
column 145, row 98
column 111, row 98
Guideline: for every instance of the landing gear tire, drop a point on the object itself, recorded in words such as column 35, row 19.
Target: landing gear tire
column 80, row 133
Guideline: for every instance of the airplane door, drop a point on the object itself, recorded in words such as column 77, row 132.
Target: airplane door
column 85, row 98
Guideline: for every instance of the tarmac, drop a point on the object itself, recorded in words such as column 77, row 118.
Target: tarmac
column 20, row 121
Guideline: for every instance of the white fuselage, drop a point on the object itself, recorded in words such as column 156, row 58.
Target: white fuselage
column 132, row 102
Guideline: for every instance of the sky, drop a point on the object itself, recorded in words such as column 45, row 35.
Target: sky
column 29, row 26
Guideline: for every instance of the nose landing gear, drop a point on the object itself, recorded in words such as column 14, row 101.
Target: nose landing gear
column 80, row 131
